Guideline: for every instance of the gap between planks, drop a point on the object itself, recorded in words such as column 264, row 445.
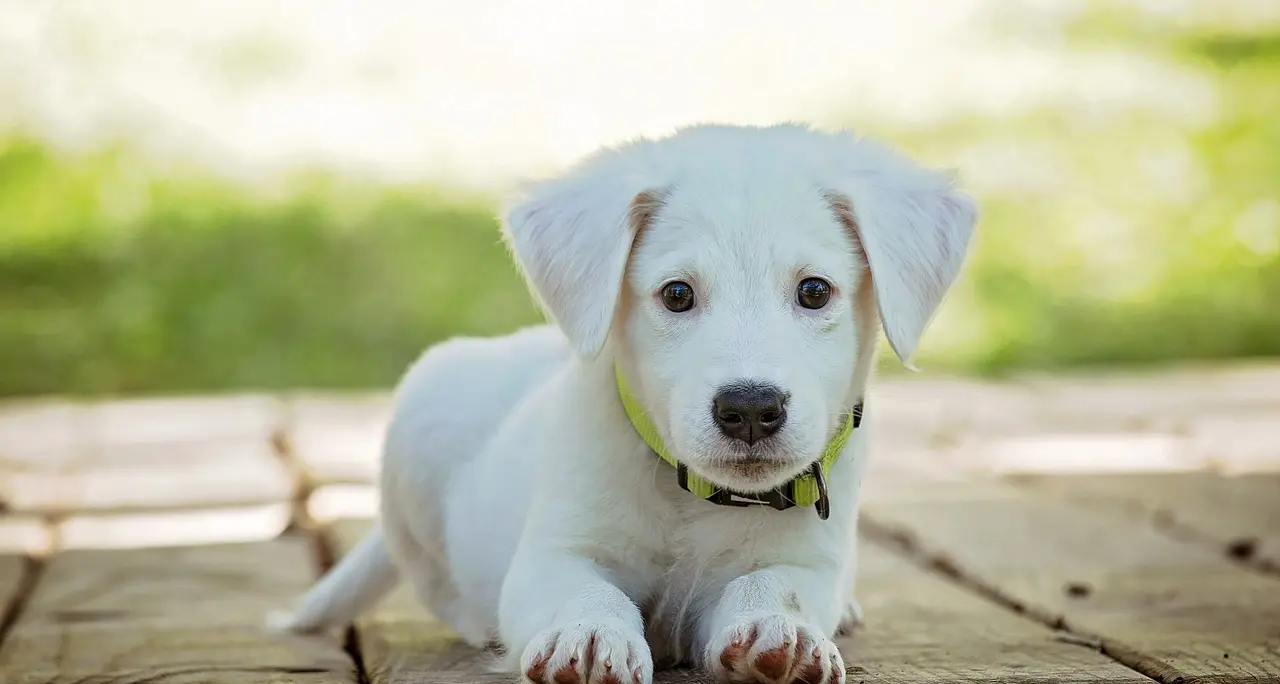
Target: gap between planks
column 325, row 549
column 1247, row 541
column 327, row 555
column 903, row 541
column 32, row 567
column 29, row 575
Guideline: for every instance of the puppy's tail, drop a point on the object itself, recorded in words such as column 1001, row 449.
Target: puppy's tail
column 353, row 586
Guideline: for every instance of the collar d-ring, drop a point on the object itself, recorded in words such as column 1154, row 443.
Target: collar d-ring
column 823, row 504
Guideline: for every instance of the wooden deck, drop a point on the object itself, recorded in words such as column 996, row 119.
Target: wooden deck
column 1117, row 529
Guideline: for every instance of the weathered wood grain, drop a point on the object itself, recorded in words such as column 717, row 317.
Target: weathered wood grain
column 1175, row 610
column 137, row 455
column 919, row 629
column 1238, row 514
column 190, row 614
column 399, row 640
column 133, row 478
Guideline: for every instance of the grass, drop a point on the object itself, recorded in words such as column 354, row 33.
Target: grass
column 1151, row 242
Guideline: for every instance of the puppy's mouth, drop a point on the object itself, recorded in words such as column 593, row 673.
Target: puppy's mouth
column 752, row 469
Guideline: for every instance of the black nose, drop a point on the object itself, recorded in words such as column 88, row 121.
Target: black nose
column 750, row 412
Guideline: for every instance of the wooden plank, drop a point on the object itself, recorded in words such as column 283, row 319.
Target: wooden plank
column 1238, row 514
column 1177, row 420
column 400, row 641
column 64, row 429
column 191, row 614
column 123, row 478
column 338, row 439
column 1240, row 442
column 185, row 527
column 919, row 629
column 40, row 536
column 25, row 535
column 1175, row 610
column 60, row 458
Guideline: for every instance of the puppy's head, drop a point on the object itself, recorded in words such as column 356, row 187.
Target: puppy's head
column 739, row 276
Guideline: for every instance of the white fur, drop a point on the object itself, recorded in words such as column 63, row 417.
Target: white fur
column 518, row 499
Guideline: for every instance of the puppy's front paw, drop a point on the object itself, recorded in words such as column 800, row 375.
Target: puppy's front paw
column 774, row 649
column 588, row 653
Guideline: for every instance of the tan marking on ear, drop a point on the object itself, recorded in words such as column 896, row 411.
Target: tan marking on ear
column 842, row 208
column 644, row 207
column 868, row 320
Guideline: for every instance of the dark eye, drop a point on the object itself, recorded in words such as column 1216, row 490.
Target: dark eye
column 813, row 293
column 677, row 296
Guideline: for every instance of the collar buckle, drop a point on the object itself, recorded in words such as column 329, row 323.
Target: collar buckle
column 779, row 499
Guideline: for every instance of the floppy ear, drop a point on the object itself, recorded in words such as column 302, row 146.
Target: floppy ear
column 914, row 227
column 571, row 237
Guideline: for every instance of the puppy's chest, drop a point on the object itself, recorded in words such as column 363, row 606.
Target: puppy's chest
column 698, row 537
column 700, row 558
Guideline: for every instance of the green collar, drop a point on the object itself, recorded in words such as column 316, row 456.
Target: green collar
column 809, row 489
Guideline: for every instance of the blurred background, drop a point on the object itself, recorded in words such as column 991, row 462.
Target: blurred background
column 244, row 203
column 214, row 195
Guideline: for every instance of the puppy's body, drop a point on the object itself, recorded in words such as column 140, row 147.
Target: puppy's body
column 469, row 470
column 523, row 505
column 454, row 495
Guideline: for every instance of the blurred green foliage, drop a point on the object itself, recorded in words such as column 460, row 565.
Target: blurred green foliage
column 117, row 283
column 1139, row 239
column 1145, row 240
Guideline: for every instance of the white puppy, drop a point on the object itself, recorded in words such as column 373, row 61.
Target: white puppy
column 729, row 283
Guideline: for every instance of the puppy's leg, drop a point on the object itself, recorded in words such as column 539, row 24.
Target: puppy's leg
column 571, row 624
column 851, row 620
column 774, row 625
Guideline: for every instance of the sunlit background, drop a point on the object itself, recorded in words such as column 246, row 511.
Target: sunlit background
column 233, row 196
